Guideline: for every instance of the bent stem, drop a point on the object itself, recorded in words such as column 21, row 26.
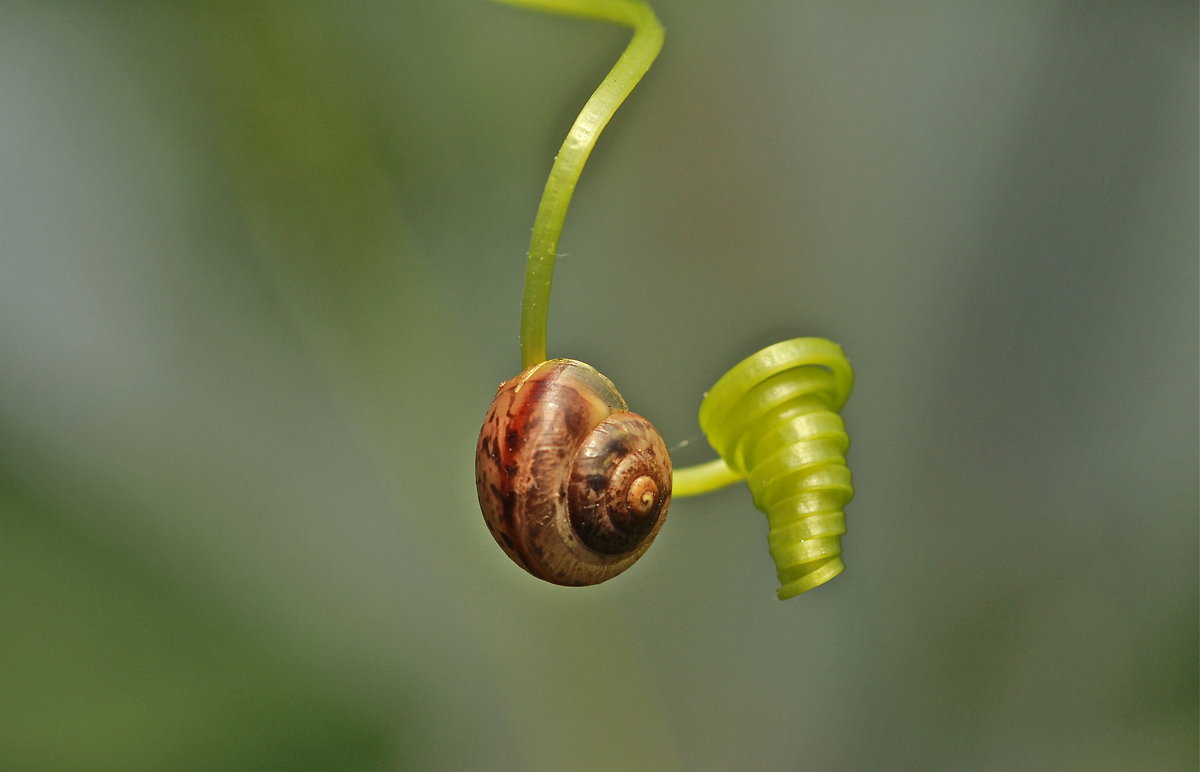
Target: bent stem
column 633, row 63
column 703, row 478
column 568, row 164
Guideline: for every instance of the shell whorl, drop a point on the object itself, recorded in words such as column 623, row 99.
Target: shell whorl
column 774, row 418
column 572, row 485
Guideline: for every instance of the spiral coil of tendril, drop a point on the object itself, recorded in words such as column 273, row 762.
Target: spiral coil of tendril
column 774, row 419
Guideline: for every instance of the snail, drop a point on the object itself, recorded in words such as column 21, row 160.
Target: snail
column 572, row 485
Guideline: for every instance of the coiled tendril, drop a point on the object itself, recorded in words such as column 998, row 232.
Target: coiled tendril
column 774, row 420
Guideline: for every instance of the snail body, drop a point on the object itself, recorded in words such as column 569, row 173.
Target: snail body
column 572, row 485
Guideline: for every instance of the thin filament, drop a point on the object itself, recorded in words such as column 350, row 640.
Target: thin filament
column 641, row 52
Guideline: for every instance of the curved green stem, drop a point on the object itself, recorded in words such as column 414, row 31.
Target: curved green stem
column 703, row 478
column 568, row 164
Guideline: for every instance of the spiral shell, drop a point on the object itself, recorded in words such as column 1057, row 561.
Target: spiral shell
column 774, row 418
column 573, row 486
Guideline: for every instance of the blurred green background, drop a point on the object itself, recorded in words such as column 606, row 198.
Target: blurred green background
column 260, row 266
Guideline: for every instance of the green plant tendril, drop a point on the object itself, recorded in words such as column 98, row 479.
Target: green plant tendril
column 568, row 164
column 773, row 418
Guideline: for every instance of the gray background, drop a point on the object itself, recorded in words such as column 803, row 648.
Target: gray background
column 260, row 266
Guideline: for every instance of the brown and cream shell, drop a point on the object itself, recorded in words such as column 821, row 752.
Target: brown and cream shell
column 573, row 486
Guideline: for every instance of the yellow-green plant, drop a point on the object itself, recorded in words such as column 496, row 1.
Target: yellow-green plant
column 773, row 418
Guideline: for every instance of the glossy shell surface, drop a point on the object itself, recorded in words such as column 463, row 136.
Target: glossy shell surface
column 573, row 486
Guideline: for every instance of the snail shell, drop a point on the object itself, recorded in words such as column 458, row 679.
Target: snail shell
column 573, row 486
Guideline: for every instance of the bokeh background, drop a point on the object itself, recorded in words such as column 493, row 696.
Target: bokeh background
column 260, row 266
